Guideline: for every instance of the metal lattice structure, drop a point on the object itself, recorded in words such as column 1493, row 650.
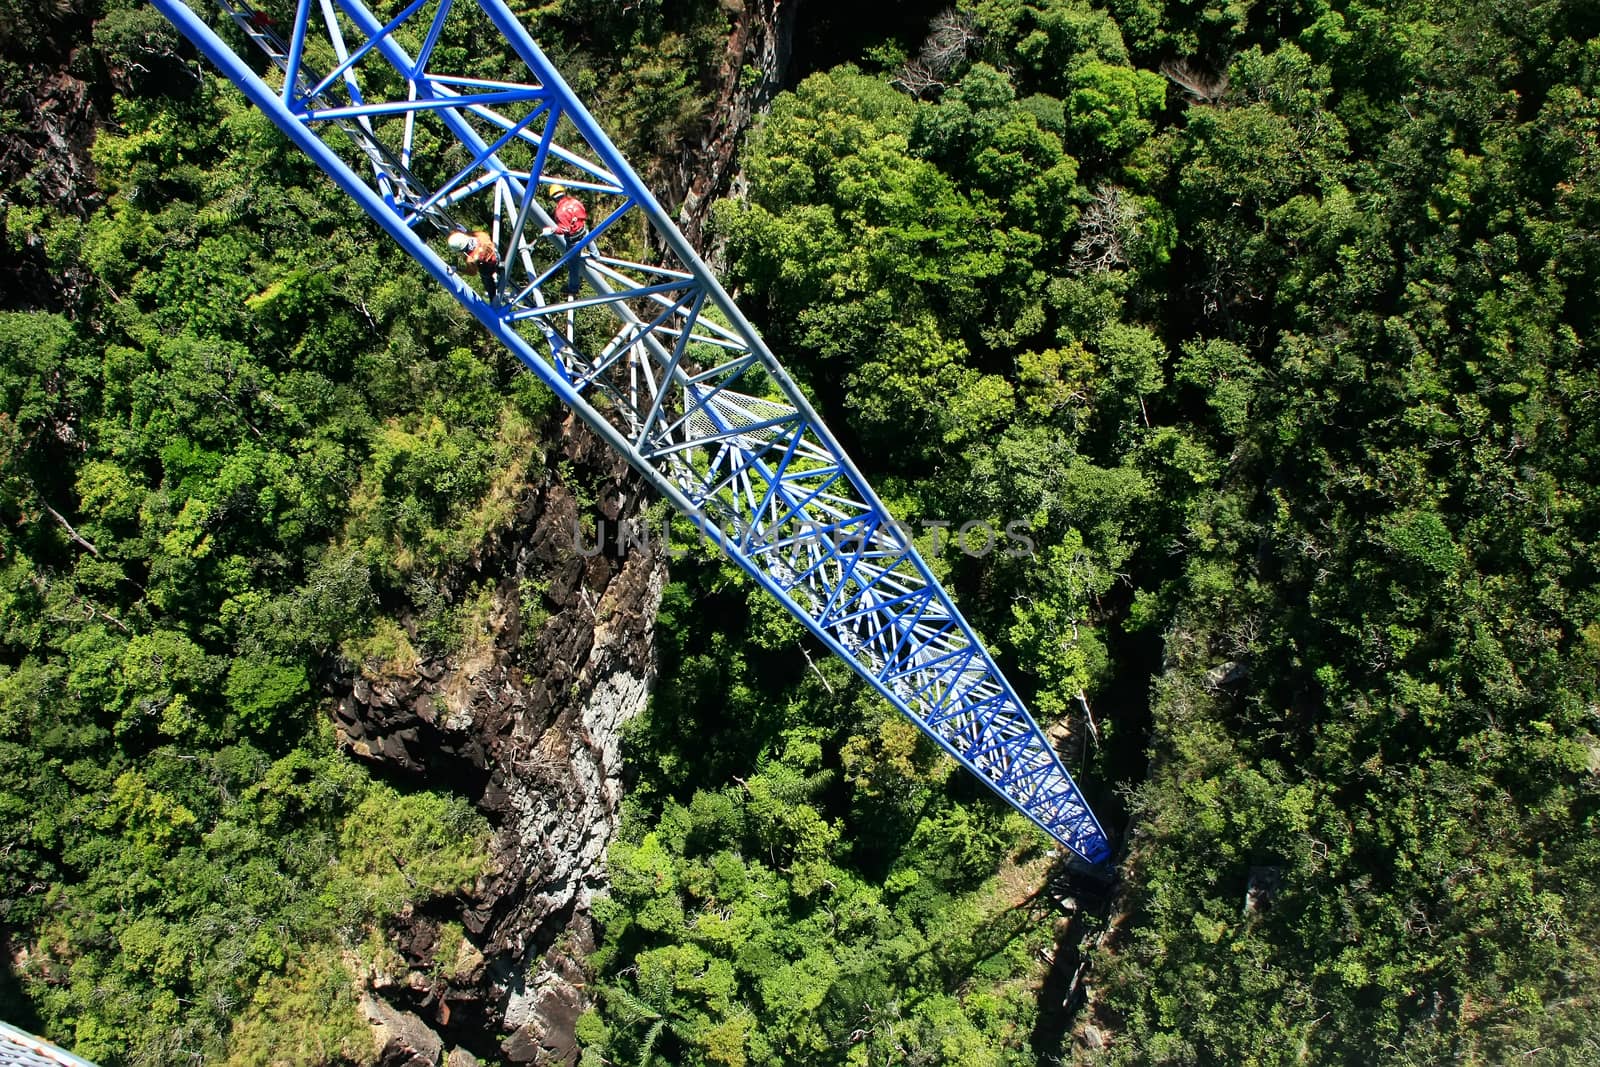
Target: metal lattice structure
column 18, row 1048
column 651, row 352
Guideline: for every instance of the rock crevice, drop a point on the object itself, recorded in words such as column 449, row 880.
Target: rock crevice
column 527, row 724
column 752, row 71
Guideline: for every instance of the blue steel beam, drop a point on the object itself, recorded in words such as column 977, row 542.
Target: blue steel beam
column 648, row 357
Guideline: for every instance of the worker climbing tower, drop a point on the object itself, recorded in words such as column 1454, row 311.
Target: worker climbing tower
column 418, row 113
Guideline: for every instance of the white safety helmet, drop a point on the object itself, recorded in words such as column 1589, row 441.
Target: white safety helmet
column 460, row 240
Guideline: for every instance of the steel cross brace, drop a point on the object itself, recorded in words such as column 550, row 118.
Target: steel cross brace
column 648, row 356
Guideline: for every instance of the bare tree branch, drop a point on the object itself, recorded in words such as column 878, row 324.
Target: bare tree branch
column 1194, row 80
column 67, row 526
column 1104, row 230
column 953, row 38
column 917, row 79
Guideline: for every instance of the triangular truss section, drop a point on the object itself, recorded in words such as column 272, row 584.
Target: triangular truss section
column 627, row 324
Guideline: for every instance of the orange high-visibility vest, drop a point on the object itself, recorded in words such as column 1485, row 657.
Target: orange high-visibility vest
column 482, row 252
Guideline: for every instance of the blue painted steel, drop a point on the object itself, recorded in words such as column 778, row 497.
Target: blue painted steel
column 648, row 356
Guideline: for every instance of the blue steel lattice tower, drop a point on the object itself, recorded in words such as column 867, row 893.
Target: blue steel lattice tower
column 651, row 352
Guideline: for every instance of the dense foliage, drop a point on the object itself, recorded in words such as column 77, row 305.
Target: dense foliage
column 245, row 448
column 1271, row 325
column 774, row 914
column 254, row 453
column 1287, row 366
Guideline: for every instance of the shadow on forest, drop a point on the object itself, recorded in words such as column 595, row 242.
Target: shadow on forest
column 1072, row 890
column 15, row 1008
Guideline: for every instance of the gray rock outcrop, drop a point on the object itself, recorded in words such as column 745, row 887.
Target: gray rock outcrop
column 402, row 1039
column 527, row 723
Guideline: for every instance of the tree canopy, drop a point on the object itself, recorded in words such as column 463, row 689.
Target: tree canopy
column 1283, row 358
column 1266, row 327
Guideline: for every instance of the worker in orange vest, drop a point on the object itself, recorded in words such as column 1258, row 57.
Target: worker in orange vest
column 478, row 248
column 571, row 223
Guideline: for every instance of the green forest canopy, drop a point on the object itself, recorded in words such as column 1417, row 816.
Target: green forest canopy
column 1283, row 354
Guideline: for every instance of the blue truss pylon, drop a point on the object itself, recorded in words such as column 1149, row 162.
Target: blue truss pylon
column 648, row 355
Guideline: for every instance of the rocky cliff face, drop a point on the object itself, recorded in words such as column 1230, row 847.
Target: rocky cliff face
column 47, row 123
column 752, row 71
column 528, row 726
column 530, row 729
